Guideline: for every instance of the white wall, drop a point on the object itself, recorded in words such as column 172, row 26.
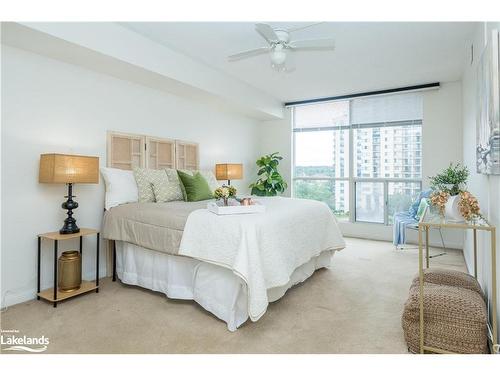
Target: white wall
column 50, row 106
column 441, row 144
column 110, row 48
column 486, row 188
column 441, row 129
column 276, row 136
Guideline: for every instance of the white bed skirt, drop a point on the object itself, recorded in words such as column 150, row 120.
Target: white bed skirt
column 215, row 288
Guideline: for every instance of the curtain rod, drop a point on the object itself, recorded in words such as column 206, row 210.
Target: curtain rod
column 361, row 94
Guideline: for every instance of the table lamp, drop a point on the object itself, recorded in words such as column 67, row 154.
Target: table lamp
column 229, row 172
column 69, row 169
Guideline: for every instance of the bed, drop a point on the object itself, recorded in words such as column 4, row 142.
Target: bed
column 232, row 265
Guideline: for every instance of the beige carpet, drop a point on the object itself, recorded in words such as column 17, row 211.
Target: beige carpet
column 354, row 307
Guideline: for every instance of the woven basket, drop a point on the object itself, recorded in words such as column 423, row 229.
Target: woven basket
column 443, row 276
column 455, row 317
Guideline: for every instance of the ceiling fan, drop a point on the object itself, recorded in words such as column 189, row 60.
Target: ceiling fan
column 280, row 45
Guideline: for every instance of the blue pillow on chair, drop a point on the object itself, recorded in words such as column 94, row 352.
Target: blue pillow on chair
column 414, row 207
column 424, row 204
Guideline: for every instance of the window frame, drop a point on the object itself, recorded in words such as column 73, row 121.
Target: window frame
column 351, row 179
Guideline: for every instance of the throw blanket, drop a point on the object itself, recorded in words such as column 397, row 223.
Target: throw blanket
column 155, row 226
column 401, row 220
column 405, row 219
column 263, row 249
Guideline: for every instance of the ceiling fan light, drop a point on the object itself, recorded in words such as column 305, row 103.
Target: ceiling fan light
column 278, row 68
column 282, row 48
column 278, row 56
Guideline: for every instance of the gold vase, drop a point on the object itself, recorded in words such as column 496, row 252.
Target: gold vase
column 70, row 271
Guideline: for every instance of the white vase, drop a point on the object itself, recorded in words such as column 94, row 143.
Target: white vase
column 451, row 210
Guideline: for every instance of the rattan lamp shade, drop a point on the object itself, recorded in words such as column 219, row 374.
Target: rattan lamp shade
column 63, row 169
column 229, row 171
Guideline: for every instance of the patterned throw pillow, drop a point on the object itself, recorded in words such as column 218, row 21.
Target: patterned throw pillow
column 167, row 191
column 145, row 179
column 177, row 189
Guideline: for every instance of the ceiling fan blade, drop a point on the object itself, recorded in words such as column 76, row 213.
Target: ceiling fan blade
column 291, row 30
column 249, row 53
column 313, row 44
column 267, row 32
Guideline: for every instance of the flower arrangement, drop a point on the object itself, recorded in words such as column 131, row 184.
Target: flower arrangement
column 450, row 197
column 469, row 206
column 451, row 180
column 439, row 199
column 224, row 193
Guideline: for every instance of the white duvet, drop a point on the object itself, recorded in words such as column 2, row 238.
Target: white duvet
column 263, row 249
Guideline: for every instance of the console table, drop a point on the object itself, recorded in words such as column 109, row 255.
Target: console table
column 438, row 222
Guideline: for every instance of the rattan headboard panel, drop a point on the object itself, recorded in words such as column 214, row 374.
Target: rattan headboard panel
column 126, row 151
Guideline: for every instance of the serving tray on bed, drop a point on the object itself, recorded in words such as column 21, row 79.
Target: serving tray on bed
column 235, row 209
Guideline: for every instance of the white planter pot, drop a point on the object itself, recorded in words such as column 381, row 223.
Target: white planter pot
column 451, row 210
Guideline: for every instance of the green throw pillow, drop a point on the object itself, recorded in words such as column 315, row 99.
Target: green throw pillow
column 195, row 188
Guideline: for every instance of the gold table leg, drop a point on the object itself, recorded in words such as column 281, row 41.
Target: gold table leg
column 426, row 247
column 475, row 252
column 421, row 288
column 494, row 286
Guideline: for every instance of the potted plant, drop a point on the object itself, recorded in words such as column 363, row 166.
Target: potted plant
column 448, row 186
column 270, row 182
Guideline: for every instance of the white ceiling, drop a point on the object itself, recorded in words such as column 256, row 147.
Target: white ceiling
column 368, row 56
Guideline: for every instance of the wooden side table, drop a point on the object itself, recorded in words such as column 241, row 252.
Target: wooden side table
column 52, row 294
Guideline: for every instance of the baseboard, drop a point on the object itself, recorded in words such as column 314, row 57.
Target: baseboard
column 449, row 244
column 10, row 298
column 434, row 244
column 380, row 232
column 375, row 232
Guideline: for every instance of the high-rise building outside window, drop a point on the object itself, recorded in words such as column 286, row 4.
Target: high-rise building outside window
column 357, row 182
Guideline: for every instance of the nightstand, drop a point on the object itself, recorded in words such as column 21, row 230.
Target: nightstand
column 52, row 294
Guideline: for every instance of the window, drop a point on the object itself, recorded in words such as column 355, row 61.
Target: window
column 321, row 155
column 338, row 155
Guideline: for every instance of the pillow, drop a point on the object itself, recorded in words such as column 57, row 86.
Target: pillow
column 195, row 186
column 174, row 178
column 145, row 179
column 414, row 207
column 167, row 191
column 208, row 175
column 120, row 187
column 421, row 208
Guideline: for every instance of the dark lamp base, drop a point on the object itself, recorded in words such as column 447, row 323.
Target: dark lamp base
column 69, row 226
column 69, row 229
